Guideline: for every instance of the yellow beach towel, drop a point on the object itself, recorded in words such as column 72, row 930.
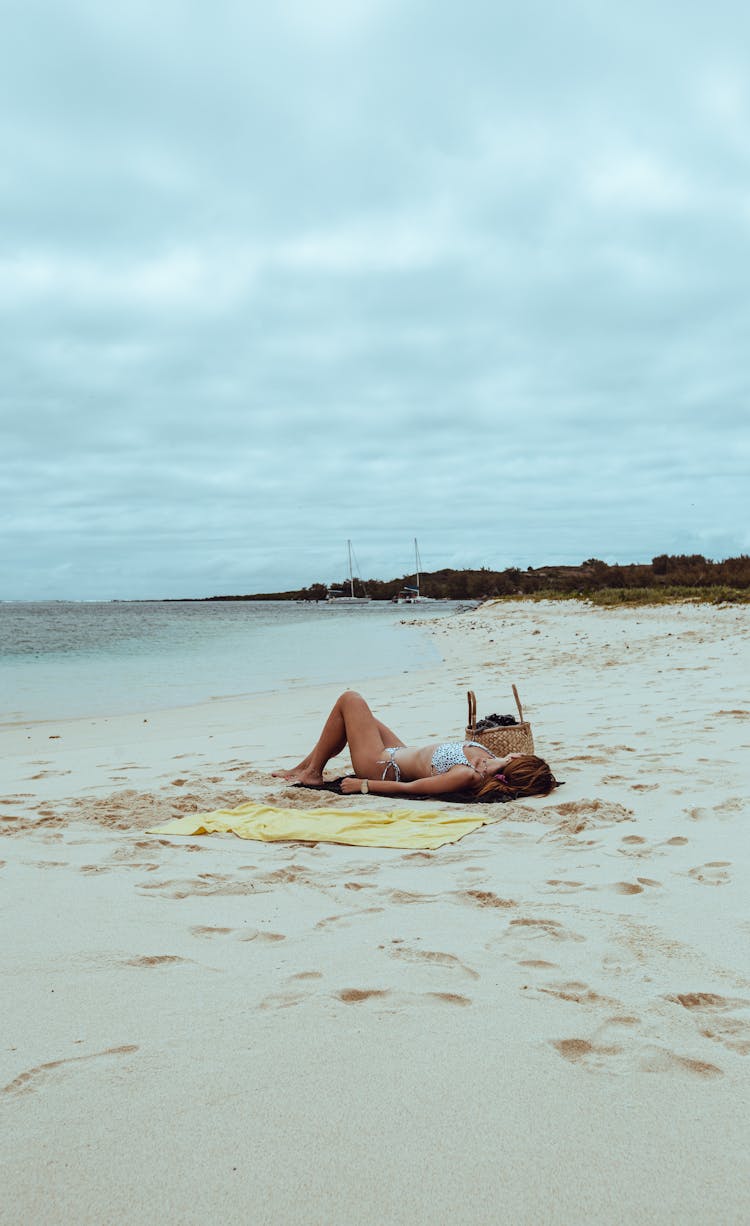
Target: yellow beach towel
column 423, row 828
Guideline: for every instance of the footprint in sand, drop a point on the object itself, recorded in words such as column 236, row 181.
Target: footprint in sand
column 33, row 1078
column 575, row 992
column 537, row 928
column 434, row 958
column 406, row 897
column 660, row 1060
column 635, row 847
column 155, row 960
column 377, row 997
column 567, row 887
column 698, row 814
column 592, row 1056
column 123, row 856
column 293, row 873
column 485, row 898
column 608, row 1052
column 142, row 844
column 712, row 873
column 585, row 815
column 733, row 804
column 349, row 996
column 346, row 917
column 356, row 996
column 205, row 884
column 717, row 1018
column 282, row 1000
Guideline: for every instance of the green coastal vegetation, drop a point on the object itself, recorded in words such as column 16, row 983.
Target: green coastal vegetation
column 665, row 579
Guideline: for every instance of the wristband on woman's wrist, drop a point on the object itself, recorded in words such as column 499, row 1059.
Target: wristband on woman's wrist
column 364, row 787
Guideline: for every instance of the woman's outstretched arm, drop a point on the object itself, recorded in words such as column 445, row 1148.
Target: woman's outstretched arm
column 457, row 779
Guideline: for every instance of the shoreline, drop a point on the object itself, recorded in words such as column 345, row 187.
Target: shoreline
column 169, row 664
column 548, row 1021
column 621, row 597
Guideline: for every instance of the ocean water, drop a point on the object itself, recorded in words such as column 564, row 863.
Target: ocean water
column 60, row 659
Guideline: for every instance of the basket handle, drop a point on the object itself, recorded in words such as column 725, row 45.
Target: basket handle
column 472, row 709
column 518, row 702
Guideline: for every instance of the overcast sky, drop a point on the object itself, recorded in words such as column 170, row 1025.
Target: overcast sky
column 276, row 275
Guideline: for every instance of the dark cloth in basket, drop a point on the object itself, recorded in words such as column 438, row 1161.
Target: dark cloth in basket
column 496, row 721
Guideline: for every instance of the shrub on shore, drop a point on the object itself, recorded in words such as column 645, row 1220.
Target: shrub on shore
column 664, row 579
column 610, row 597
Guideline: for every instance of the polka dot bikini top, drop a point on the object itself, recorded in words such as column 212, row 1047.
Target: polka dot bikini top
column 451, row 753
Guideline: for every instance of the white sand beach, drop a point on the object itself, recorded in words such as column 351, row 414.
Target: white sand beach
column 547, row 1022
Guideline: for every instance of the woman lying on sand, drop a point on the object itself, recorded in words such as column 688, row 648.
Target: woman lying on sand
column 385, row 766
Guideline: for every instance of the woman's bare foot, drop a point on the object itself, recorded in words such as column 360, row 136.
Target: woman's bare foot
column 308, row 776
column 294, row 771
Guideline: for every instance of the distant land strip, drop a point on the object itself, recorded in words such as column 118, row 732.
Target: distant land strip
column 665, row 579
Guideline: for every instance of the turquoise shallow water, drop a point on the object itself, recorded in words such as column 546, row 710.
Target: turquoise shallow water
column 61, row 659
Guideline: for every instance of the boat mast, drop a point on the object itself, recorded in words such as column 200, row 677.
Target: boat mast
column 351, row 577
column 416, row 561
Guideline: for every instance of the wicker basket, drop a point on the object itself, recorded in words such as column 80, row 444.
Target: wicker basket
column 512, row 738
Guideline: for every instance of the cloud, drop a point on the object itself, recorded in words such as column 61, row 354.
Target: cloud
column 636, row 181
column 272, row 279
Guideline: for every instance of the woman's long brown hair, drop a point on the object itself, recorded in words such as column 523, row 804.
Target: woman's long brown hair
column 522, row 776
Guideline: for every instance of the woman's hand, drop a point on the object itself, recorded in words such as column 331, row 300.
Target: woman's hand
column 351, row 784
column 503, row 762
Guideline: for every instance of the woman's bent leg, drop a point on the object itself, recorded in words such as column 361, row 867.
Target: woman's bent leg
column 351, row 722
column 332, row 738
column 387, row 735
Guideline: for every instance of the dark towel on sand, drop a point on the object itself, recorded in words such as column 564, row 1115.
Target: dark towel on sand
column 458, row 798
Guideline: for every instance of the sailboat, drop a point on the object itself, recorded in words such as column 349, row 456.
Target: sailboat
column 409, row 594
column 336, row 594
